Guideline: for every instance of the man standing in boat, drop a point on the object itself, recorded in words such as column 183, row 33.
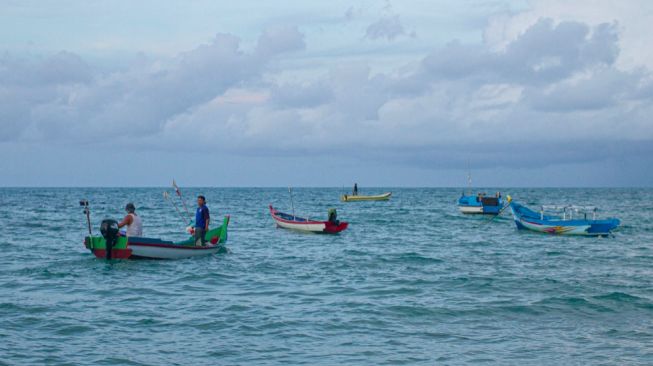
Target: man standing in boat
column 202, row 219
column 132, row 221
column 355, row 191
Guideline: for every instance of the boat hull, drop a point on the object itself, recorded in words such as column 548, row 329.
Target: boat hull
column 291, row 222
column 484, row 205
column 378, row 197
column 471, row 209
column 552, row 229
column 319, row 227
column 151, row 248
column 150, row 251
column 530, row 220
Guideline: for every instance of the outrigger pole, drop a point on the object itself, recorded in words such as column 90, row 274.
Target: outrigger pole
column 167, row 197
column 174, row 185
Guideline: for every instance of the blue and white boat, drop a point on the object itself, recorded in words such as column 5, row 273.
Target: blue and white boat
column 480, row 204
column 566, row 220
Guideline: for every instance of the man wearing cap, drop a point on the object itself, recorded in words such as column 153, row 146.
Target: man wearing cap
column 202, row 219
column 132, row 221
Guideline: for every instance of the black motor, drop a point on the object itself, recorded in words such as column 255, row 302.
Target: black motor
column 109, row 230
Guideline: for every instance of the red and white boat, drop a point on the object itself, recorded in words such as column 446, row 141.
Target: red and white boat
column 288, row 221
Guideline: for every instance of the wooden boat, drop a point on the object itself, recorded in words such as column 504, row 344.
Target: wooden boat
column 480, row 204
column 289, row 221
column 378, row 197
column 149, row 248
column 574, row 220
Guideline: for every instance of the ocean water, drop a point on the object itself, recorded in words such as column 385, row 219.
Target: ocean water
column 411, row 281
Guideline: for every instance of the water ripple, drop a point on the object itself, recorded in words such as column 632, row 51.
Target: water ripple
column 410, row 282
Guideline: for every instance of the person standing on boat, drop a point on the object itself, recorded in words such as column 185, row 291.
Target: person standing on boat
column 202, row 219
column 132, row 221
column 355, row 192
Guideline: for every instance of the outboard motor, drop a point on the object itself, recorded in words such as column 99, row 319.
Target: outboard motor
column 109, row 230
column 333, row 216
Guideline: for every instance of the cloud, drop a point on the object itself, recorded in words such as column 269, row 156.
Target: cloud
column 388, row 27
column 64, row 100
column 634, row 19
column 351, row 13
column 280, row 39
column 603, row 88
column 554, row 84
column 544, row 53
column 63, row 68
column 301, row 94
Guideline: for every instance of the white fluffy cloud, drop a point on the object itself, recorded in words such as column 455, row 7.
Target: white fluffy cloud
column 632, row 18
column 535, row 81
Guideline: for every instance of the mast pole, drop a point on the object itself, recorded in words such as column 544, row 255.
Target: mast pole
column 292, row 204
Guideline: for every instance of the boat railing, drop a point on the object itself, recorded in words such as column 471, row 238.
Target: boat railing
column 568, row 211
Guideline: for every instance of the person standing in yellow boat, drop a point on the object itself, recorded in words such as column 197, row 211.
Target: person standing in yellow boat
column 355, row 191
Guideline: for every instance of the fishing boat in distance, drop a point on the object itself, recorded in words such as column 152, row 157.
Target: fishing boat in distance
column 480, row 204
column 565, row 220
column 354, row 198
column 123, row 247
column 288, row 221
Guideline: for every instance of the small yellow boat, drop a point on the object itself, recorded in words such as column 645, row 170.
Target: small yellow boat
column 378, row 197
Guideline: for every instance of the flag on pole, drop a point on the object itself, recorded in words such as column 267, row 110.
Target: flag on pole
column 174, row 185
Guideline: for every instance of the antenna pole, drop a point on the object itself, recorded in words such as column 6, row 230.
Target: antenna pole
column 469, row 178
column 87, row 211
column 292, row 204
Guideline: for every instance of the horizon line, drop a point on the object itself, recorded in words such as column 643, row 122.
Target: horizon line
column 338, row 187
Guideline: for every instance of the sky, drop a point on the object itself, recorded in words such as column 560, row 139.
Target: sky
column 301, row 93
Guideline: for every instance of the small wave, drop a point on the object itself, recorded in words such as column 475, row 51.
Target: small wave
column 411, row 257
column 572, row 303
column 625, row 299
column 73, row 330
column 554, row 253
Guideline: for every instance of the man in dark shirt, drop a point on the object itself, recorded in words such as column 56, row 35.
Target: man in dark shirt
column 202, row 219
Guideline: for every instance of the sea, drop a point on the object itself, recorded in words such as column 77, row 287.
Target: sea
column 410, row 282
